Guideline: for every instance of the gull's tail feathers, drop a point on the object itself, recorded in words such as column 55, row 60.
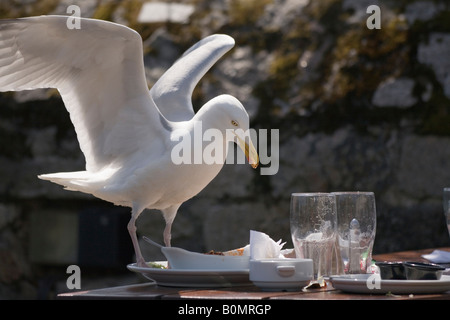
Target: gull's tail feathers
column 73, row 181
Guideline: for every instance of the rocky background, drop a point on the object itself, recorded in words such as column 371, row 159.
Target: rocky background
column 356, row 108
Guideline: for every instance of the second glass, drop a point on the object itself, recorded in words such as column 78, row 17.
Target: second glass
column 356, row 227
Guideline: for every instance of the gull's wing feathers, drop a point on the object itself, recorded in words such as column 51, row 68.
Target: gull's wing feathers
column 99, row 72
column 172, row 93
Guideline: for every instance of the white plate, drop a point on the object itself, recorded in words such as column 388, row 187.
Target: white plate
column 193, row 278
column 371, row 283
column 184, row 259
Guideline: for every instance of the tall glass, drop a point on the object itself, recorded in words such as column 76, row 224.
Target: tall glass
column 356, row 228
column 313, row 229
column 447, row 207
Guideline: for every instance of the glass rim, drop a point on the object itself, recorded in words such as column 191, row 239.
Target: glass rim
column 354, row 192
column 446, row 188
column 310, row 194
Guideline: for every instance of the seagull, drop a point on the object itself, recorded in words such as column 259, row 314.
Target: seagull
column 125, row 130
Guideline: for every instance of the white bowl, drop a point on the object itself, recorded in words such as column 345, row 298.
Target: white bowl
column 183, row 259
column 281, row 274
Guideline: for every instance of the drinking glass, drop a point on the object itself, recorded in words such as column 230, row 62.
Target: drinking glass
column 447, row 207
column 356, row 228
column 313, row 229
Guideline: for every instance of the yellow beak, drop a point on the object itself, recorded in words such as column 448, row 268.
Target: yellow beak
column 249, row 150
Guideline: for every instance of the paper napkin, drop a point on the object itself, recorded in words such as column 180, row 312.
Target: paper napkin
column 438, row 256
column 263, row 247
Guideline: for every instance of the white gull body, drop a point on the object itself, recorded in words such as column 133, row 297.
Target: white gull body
column 125, row 131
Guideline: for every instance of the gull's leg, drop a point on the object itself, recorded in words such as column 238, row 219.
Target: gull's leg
column 169, row 215
column 140, row 261
column 167, row 233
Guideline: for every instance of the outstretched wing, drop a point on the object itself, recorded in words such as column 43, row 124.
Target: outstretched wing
column 172, row 93
column 99, row 72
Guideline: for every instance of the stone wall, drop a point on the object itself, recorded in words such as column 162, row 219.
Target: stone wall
column 356, row 109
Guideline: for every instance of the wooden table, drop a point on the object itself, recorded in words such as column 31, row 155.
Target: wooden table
column 151, row 291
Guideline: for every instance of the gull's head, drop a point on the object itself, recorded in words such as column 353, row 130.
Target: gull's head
column 227, row 114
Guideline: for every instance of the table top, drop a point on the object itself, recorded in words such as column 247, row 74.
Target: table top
column 152, row 291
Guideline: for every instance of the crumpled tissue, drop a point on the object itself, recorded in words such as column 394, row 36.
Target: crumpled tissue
column 264, row 247
column 438, row 256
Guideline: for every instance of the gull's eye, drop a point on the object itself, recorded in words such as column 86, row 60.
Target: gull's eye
column 235, row 123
